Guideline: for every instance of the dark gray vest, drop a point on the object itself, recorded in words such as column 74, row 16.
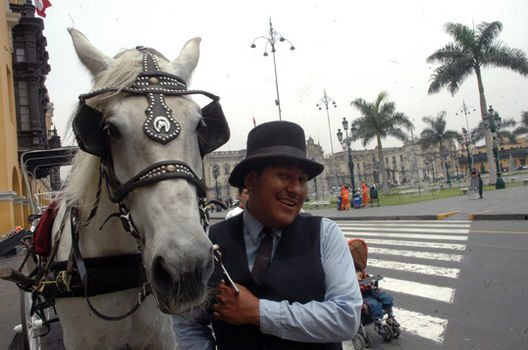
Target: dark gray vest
column 295, row 274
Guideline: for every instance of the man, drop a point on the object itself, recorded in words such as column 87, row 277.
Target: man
column 305, row 295
column 344, row 198
column 243, row 195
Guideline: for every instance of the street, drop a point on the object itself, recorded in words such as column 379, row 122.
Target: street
column 456, row 284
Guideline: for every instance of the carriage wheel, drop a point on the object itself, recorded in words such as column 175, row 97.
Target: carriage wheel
column 396, row 332
column 359, row 342
column 367, row 341
column 387, row 334
column 31, row 339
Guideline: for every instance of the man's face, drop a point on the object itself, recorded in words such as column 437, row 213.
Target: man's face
column 277, row 195
column 243, row 196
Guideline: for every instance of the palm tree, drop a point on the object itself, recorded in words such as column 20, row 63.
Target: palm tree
column 471, row 51
column 523, row 128
column 379, row 119
column 436, row 135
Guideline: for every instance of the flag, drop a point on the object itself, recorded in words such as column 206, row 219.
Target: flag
column 254, row 122
column 41, row 6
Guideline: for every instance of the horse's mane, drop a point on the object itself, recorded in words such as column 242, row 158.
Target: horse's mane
column 81, row 184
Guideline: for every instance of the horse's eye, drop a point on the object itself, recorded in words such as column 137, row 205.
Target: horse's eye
column 111, row 130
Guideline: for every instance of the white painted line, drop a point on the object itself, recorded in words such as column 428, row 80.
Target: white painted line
column 435, row 245
column 448, row 272
column 422, row 325
column 424, row 230
column 415, row 254
column 432, row 222
column 421, row 224
column 405, row 235
column 443, row 294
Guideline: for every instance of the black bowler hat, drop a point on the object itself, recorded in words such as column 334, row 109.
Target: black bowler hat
column 272, row 142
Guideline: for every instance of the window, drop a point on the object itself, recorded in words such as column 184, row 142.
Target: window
column 401, row 158
column 20, row 55
column 227, row 169
column 23, row 106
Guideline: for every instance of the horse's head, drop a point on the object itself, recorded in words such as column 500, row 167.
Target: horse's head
column 151, row 137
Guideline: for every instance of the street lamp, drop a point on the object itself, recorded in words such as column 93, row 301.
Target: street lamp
column 446, row 154
column 216, row 172
column 271, row 39
column 348, row 140
column 326, row 101
column 467, row 142
column 492, row 120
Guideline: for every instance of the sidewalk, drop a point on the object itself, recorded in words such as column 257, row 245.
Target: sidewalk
column 507, row 204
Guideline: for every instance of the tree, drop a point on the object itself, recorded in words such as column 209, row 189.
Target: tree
column 379, row 119
column 523, row 128
column 436, row 135
column 471, row 51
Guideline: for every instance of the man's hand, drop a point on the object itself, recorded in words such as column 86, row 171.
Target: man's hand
column 236, row 309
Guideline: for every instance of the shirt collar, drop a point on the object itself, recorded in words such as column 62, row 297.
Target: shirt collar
column 253, row 227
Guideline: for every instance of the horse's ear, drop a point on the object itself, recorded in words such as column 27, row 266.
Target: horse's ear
column 90, row 56
column 187, row 60
column 215, row 130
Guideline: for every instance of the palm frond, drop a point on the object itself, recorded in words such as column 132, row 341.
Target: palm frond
column 486, row 34
column 461, row 33
column 506, row 57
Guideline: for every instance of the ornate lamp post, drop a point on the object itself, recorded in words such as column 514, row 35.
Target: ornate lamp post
column 348, row 140
column 326, row 101
column 272, row 38
column 467, row 142
column 493, row 123
column 216, row 172
column 448, row 178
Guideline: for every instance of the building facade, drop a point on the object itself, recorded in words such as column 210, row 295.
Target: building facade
column 26, row 111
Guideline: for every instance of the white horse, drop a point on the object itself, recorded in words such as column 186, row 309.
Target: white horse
column 176, row 253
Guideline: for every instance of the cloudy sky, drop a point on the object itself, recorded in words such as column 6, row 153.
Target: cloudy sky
column 350, row 49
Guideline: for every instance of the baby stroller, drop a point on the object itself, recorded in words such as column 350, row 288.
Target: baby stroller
column 386, row 325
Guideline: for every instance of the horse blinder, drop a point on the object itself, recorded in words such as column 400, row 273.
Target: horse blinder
column 88, row 128
column 216, row 132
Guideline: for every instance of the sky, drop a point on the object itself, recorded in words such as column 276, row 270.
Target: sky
column 349, row 49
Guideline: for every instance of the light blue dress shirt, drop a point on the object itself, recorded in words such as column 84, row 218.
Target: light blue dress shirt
column 335, row 319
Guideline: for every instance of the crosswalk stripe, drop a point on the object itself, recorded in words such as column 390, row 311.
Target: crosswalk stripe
column 398, row 222
column 415, row 254
column 424, row 230
column 422, row 325
column 403, row 235
column 421, row 224
column 448, row 272
column 444, row 294
column 435, row 245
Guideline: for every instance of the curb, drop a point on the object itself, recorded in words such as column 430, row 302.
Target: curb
column 474, row 217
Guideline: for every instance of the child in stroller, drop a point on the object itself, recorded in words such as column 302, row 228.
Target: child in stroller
column 376, row 303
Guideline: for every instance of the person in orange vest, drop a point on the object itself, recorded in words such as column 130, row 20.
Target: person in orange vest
column 344, row 198
column 364, row 190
